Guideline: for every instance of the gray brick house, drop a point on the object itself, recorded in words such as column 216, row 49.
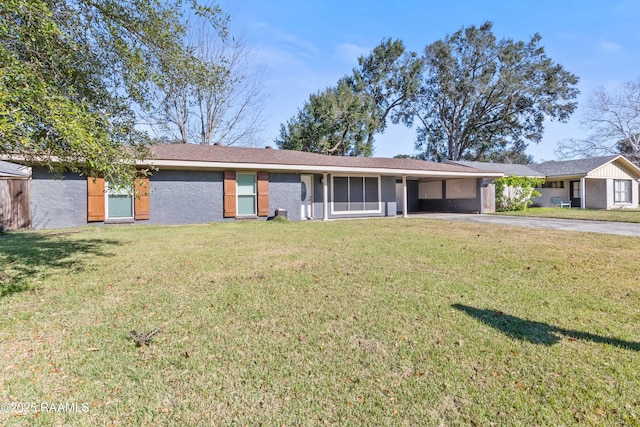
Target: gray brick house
column 198, row 184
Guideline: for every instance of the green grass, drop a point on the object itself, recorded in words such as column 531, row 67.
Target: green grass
column 616, row 215
column 385, row 322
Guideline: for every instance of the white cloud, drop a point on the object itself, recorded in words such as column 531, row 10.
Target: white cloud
column 350, row 52
column 607, row 46
column 286, row 41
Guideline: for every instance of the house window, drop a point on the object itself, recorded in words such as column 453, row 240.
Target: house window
column 356, row 194
column 246, row 191
column 554, row 184
column 622, row 191
column 119, row 201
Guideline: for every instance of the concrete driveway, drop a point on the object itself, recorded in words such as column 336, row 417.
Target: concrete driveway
column 622, row 228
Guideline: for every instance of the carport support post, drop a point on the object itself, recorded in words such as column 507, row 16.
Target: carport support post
column 583, row 193
column 325, row 197
column 404, row 196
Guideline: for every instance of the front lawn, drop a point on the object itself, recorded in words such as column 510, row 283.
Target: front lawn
column 616, row 215
column 378, row 322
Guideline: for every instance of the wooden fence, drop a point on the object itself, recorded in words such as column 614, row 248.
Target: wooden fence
column 15, row 204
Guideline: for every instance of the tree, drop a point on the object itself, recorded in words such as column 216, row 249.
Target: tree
column 613, row 120
column 628, row 149
column 512, row 154
column 344, row 120
column 389, row 77
column 216, row 97
column 75, row 72
column 336, row 121
column 479, row 94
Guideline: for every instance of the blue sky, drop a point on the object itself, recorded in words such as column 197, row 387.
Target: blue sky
column 306, row 46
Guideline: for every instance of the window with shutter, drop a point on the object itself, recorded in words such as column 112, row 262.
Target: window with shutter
column 119, row 201
column 247, row 195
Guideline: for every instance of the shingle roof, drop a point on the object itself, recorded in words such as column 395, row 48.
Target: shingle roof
column 572, row 167
column 222, row 154
column 505, row 168
column 13, row 170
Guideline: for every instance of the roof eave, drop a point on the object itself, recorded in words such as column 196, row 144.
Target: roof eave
column 188, row 164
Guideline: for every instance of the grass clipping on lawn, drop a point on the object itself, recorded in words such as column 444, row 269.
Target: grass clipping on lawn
column 386, row 322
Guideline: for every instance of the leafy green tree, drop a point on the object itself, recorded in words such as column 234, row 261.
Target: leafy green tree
column 74, row 73
column 344, row 120
column 479, row 93
column 389, row 77
column 336, row 121
column 513, row 154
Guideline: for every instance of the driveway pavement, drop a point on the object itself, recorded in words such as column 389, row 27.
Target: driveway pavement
column 622, row 228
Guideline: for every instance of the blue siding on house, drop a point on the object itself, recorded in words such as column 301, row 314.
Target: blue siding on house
column 191, row 197
column 185, row 197
column 58, row 201
column 176, row 197
column 284, row 193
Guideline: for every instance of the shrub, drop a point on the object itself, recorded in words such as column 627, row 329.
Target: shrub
column 514, row 193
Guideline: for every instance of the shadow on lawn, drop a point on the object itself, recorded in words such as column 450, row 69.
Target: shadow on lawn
column 537, row 332
column 26, row 257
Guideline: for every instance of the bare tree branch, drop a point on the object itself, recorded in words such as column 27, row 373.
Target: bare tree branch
column 613, row 120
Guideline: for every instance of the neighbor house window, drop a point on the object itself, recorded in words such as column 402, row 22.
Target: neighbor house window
column 356, row 194
column 247, row 195
column 119, row 201
column 622, row 191
column 554, row 184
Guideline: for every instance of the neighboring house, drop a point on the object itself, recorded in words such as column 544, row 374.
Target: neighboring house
column 197, row 184
column 15, row 205
column 608, row 182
